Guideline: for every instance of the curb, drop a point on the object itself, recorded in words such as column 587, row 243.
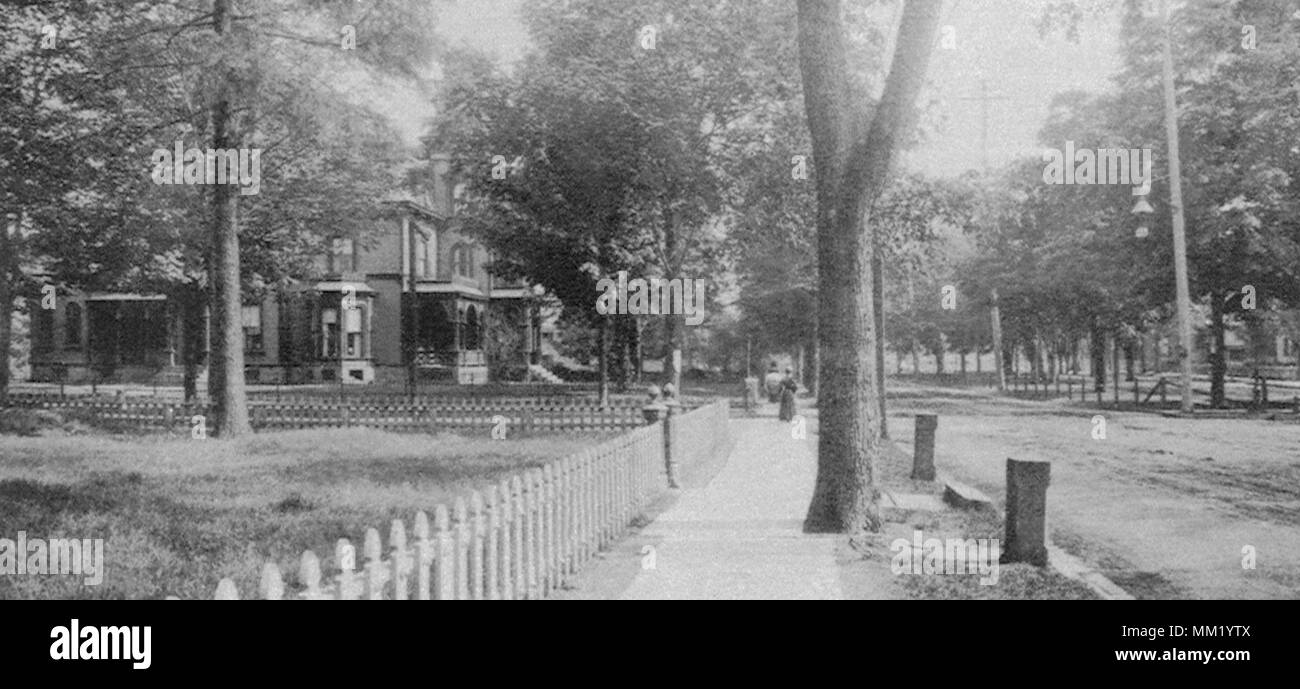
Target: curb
column 1076, row 569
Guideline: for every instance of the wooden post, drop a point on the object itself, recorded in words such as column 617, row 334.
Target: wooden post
column 226, row 590
column 345, row 558
column 923, row 447
column 517, row 578
column 1114, row 367
column 444, row 579
column 399, row 560
column 424, row 557
column 374, row 575
column 670, row 441
column 507, row 569
column 271, row 586
column 476, row 546
column 309, row 576
column 1026, row 520
column 461, row 533
column 492, row 546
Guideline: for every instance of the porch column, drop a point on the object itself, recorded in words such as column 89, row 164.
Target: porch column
column 365, row 336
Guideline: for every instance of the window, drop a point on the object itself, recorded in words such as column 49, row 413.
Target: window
column 343, row 255
column 472, row 337
column 252, row 320
column 43, row 329
column 72, row 325
column 421, row 255
column 431, row 256
column 352, row 320
column 329, row 318
column 463, row 260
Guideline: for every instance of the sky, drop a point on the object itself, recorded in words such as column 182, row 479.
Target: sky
column 994, row 41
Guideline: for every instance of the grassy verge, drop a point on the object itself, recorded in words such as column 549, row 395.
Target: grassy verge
column 866, row 560
column 177, row 515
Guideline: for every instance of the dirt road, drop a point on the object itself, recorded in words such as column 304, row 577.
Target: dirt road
column 1167, row 508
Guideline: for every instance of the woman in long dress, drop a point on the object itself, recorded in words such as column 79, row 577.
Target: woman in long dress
column 788, row 388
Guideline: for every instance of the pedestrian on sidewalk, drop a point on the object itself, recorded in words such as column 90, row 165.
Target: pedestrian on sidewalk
column 788, row 388
column 772, row 383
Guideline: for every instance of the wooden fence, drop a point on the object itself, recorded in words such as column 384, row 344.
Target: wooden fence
column 519, row 539
column 514, row 416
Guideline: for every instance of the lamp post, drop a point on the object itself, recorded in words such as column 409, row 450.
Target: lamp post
column 1176, row 208
column 1143, row 211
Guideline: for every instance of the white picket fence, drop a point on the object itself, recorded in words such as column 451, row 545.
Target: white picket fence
column 519, row 539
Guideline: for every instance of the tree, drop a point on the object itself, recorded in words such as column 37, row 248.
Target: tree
column 239, row 76
column 853, row 155
column 623, row 147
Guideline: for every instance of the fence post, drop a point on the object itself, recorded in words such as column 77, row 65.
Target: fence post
column 271, row 586
column 1026, row 520
column 226, row 590
column 345, row 557
column 536, row 552
column 671, row 433
column 493, row 544
column 400, row 560
column 507, row 570
column 374, row 566
column 444, row 580
column 548, row 529
column 309, row 576
column 460, row 530
column 424, row 557
column 569, row 536
column 517, row 571
column 923, row 447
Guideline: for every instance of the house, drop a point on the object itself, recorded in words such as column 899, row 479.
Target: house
column 416, row 298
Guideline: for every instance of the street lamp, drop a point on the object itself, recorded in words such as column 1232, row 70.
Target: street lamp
column 1143, row 211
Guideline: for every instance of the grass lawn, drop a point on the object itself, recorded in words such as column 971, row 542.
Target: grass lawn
column 177, row 515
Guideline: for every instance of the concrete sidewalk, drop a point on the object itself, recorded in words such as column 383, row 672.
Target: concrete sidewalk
column 740, row 537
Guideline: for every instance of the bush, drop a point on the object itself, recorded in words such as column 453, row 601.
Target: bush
column 28, row 422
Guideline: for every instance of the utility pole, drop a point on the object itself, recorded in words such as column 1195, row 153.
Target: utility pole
column 984, row 100
column 997, row 343
column 1176, row 207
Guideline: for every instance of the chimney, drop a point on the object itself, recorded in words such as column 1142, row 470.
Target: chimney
column 442, row 183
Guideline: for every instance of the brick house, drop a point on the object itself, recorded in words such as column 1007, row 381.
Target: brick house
column 419, row 293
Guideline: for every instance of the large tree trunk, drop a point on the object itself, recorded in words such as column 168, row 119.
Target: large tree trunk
column 878, row 302
column 7, row 270
column 1097, row 359
column 192, row 301
column 852, row 163
column 1219, row 356
column 226, row 368
column 814, row 382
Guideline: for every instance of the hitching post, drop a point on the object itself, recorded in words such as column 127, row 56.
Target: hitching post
column 1026, row 531
column 923, row 447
